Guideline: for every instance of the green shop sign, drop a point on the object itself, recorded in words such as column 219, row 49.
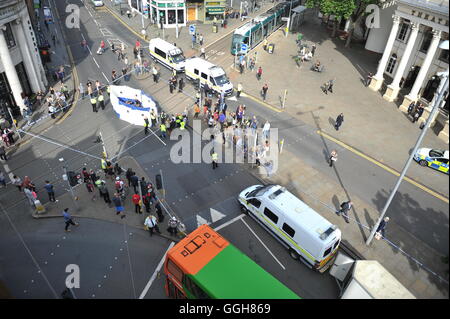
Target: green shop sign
column 215, row 10
column 168, row 5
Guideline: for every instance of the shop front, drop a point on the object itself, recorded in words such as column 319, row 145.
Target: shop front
column 214, row 11
column 168, row 13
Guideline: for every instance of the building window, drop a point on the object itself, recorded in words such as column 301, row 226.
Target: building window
column 9, row 37
column 403, row 31
column 444, row 56
column 426, row 42
column 392, row 63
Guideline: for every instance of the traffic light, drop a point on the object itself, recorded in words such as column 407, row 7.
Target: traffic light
column 158, row 181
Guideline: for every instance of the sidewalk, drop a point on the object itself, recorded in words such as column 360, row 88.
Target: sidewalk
column 370, row 123
column 98, row 209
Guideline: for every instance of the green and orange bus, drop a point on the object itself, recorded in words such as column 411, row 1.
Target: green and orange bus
column 205, row 265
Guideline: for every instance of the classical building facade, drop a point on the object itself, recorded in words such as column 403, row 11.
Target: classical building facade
column 409, row 36
column 21, row 70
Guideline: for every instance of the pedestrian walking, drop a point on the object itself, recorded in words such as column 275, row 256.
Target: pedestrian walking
column 200, row 39
column 136, row 199
column 68, row 219
column 333, row 157
column 345, row 207
column 146, row 125
column 104, row 192
column 214, row 159
column 2, row 179
column 128, row 175
column 152, row 225
column 146, row 199
column 239, row 90
column 81, row 90
column 27, row 183
column 155, row 74
column 159, row 212
column 180, row 85
column 3, row 153
column 163, row 130
column 50, row 191
column 266, row 130
column 117, row 169
column 313, row 49
column 196, row 110
column 203, row 53
column 143, row 185
column 418, row 113
column 172, row 226
column 382, row 226
column 118, row 205
column 330, row 86
column 339, row 121
column 94, row 104
column 101, row 100
column 171, row 86
column 264, row 91
column 17, row 181
column 259, row 73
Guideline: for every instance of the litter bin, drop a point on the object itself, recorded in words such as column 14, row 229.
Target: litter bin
column 270, row 48
column 214, row 28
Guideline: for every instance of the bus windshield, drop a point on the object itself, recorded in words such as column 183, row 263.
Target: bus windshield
column 221, row 80
column 178, row 58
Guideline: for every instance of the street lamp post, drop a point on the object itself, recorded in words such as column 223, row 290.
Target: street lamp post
column 289, row 21
column 443, row 87
column 68, row 182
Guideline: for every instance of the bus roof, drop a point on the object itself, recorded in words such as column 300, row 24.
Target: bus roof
column 261, row 18
column 187, row 255
column 233, row 275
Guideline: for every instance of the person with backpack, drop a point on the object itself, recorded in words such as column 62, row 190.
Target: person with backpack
column 119, row 185
column 152, row 224
column 345, row 208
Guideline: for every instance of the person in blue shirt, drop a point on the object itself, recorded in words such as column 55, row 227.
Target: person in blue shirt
column 50, row 191
column 68, row 219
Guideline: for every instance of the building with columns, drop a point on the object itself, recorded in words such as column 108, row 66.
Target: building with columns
column 21, row 69
column 408, row 38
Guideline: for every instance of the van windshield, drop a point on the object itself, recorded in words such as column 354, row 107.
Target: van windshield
column 259, row 191
column 178, row 58
column 221, row 80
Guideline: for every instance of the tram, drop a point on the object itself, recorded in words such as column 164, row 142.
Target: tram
column 259, row 28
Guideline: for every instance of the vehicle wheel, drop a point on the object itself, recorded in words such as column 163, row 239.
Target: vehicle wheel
column 244, row 210
column 293, row 254
column 423, row 163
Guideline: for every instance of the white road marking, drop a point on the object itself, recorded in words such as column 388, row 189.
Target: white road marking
column 284, row 268
column 229, row 222
column 95, row 62
column 158, row 268
column 105, row 77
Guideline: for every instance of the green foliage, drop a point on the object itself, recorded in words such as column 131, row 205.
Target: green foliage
column 341, row 8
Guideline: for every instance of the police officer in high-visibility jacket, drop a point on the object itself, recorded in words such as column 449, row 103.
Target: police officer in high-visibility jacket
column 182, row 125
column 214, row 159
column 146, row 125
column 101, row 100
column 94, row 104
column 163, row 129
column 104, row 165
column 153, row 118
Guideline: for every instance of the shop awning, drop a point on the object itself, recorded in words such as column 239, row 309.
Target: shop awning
column 215, row 10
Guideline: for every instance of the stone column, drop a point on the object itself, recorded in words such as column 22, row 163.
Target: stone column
column 393, row 89
column 413, row 95
column 26, row 57
column 378, row 79
column 10, row 71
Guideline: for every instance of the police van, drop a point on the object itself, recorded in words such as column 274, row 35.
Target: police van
column 306, row 234
column 167, row 54
column 198, row 69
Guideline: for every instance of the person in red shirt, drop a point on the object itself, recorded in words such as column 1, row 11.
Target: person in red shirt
column 138, row 44
column 136, row 201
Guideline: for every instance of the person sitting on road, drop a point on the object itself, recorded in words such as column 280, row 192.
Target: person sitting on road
column 317, row 66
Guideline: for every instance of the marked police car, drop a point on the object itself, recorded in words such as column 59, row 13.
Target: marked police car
column 436, row 159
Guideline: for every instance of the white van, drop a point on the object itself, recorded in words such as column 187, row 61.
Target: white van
column 167, row 54
column 294, row 224
column 208, row 73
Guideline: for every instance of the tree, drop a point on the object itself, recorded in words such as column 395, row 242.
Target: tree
column 353, row 10
column 340, row 9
